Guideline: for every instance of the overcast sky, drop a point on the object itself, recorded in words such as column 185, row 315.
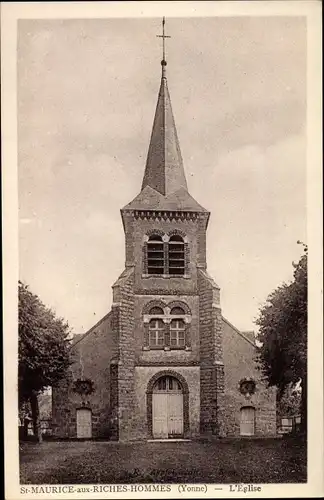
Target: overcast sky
column 87, row 92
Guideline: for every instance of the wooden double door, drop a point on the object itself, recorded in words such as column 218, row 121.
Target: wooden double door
column 167, row 408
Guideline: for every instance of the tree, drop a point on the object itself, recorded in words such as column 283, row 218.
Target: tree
column 290, row 401
column 43, row 351
column 282, row 334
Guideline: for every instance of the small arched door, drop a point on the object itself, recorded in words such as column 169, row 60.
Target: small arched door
column 84, row 423
column 167, row 408
column 247, row 425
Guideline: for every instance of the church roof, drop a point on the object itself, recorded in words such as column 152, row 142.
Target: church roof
column 164, row 185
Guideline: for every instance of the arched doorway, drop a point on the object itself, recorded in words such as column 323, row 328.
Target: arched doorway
column 167, row 408
column 247, row 424
column 84, row 423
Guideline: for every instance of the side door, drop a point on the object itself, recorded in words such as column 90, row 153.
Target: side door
column 247, row 425
column 84, row 423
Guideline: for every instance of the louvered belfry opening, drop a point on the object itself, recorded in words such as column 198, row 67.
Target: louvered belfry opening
column 176, row 255
column 155, row 255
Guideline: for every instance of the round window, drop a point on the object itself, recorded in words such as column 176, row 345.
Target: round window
column 247, row 386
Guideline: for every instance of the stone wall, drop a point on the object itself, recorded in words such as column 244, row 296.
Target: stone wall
column 114, row 400
column 126, row 359
column 61, row 408
column 91, row 356
column 211, row 356
column 135, row 231
column 239, row 361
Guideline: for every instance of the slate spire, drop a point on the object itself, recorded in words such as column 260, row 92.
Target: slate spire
column 164, row 166
column 164, row 185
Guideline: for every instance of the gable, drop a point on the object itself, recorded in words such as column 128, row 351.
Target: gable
column 93, row 351
column 81, row 336
column 248, row 336
column 239, row 354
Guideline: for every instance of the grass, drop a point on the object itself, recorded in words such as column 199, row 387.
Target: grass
column 229, row 461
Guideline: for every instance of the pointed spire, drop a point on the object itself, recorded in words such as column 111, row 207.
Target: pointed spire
column 164, row 184
column 164, row 170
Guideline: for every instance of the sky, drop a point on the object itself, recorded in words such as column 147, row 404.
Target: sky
column 87, row 91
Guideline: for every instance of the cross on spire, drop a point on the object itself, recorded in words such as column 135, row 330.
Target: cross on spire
column 163, row 36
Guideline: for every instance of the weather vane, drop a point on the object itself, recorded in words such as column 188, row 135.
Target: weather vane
column 164, row 36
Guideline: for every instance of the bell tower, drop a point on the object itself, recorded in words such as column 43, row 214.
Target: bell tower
column 174, row 318
column 164, row 209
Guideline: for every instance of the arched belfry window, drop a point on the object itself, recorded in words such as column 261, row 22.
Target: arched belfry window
column 176, row 255
column 166, row 254
column 155, row 255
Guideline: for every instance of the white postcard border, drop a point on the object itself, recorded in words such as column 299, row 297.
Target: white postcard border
column 11, row 12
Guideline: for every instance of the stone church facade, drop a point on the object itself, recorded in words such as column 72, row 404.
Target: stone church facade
column 164, row 362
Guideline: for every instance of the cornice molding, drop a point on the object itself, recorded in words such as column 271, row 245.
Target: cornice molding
column 168, row 363
column 164, row 291
column 177, row 215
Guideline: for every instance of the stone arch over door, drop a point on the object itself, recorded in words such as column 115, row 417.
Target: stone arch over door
column 149, row 398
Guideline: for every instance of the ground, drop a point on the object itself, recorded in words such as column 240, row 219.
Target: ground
column 228, row 461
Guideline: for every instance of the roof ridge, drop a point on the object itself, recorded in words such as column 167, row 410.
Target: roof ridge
column 84, row 335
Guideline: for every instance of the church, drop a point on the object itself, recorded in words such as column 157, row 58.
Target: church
column 164, row 363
